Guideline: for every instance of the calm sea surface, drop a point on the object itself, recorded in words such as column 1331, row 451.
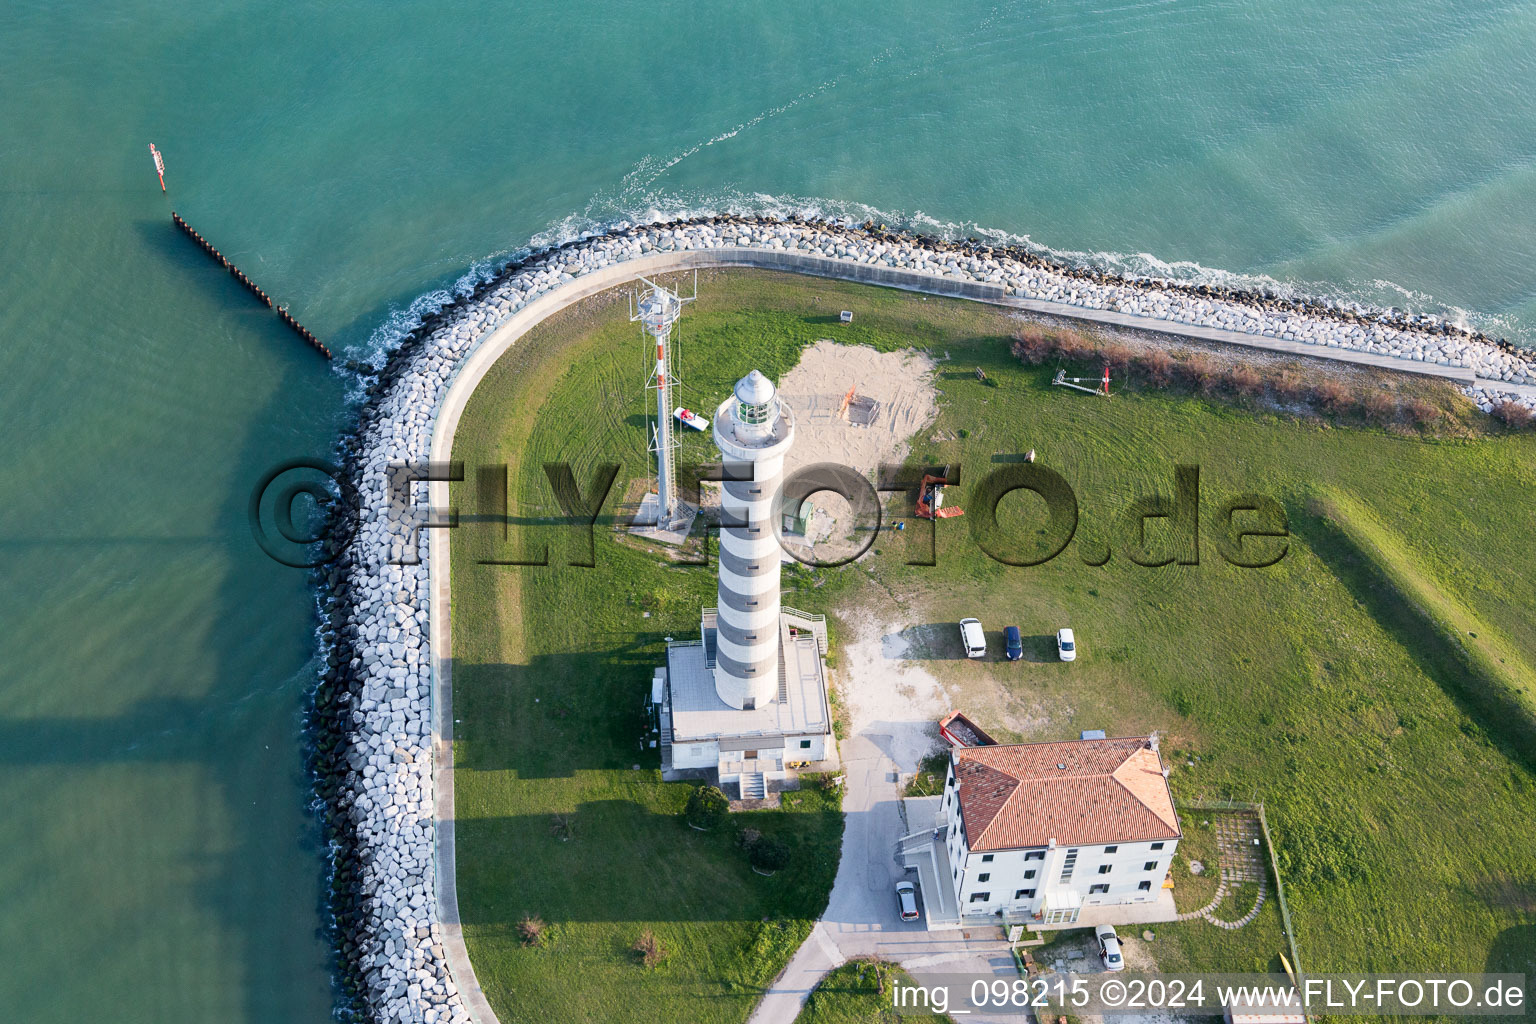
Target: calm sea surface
column 156, row 860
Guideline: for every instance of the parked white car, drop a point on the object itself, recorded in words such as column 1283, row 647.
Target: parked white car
column 973, row 638
column 1066, row 645
column 1109, row 947
column 906, row 899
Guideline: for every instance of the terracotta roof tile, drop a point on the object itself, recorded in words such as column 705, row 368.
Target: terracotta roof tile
column 1078, row 792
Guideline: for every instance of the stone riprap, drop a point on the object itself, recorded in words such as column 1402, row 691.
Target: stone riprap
column 372, row 716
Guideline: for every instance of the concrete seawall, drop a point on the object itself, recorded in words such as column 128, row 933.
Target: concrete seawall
column 386, row 695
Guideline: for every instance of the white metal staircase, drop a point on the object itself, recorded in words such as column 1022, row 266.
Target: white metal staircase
column 816, row 625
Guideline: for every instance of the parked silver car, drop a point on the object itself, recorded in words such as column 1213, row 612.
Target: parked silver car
column 1109, row 947
column 906, row 899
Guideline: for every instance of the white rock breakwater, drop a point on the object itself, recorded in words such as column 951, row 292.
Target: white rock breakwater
column 372, row 718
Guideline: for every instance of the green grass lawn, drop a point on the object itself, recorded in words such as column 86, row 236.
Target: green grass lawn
column 853, row 994
column 1401, row 808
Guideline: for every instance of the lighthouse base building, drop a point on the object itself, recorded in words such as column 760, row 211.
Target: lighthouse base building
column 747, row 701
column 747, row 749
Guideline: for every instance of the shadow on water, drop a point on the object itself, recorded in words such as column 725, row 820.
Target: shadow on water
column 248, row 872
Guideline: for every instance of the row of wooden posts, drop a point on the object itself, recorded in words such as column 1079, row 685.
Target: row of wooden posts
column 250, row 285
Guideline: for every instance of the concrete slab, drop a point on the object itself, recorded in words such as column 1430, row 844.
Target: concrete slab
column 674, row 532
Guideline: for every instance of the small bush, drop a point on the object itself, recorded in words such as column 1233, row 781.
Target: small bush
column 1513, row 414
column 1289, row 387
column 1335, row 397
column 531, row 929
column 824, row 781
column 1204, row 373
column 1245, row 380
column 1422, row 414
column 749, row 838
column 1076, row 345
column 562, row 827
column 707, row 807
column 1118, row 357
column 1032, row 346
column 1159, row 368
column 769, row 854
column 1379, row 407
column 649, row 950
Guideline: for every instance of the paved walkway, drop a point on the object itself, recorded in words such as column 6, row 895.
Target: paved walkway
column 861, row 918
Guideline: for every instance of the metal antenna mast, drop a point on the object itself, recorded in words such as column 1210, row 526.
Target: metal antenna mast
column 657, row 312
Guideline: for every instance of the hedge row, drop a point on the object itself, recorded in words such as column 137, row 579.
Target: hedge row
column 1208, row 375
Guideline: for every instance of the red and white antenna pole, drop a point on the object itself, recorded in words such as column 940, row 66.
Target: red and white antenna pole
column 1106, row 381
column 159, row 164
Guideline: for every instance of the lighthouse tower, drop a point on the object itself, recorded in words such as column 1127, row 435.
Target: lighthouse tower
column 751, row 427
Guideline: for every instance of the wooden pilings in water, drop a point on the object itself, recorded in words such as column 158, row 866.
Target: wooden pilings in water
column 251, row 286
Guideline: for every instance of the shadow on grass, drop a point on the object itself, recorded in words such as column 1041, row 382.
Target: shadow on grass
column 1505, row 723
column 615, row 860
column 560, row 713
column 928, row 641
column 1513, row 951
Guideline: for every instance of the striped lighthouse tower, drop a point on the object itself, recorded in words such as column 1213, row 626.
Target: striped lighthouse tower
column 755, row 428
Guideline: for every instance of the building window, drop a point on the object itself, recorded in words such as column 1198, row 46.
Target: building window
column 1035, row 855
column 1030, row 873
column 986, row 858
column 980, row 897
column 1024, row 894
column 1150, row 865
column 805, row 744
column 749, row 704
column 1111, row 849
column 1067, row 865
column 985, row 876
column 1096, row 890
column 1157, row 846
column 1144, row 886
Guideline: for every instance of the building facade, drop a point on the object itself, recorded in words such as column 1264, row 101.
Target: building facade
column 1043, row 830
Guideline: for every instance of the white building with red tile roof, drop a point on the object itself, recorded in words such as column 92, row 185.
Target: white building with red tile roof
column 1043, row 830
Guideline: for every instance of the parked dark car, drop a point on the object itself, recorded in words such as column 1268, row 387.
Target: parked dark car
column 1013, row 644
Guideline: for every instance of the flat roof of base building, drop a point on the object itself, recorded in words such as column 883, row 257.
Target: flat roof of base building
column 1076, row 792
column 699, row 714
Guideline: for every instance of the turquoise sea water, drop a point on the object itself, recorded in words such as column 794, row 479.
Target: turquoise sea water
column 156, row 860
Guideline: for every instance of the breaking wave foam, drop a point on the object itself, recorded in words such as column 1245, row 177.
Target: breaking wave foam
column 635, row 204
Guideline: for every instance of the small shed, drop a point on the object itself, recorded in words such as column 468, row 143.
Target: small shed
column 1269, row 1008
column 797, row 517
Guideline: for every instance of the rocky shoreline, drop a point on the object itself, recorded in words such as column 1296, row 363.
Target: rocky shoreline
column 371, row 721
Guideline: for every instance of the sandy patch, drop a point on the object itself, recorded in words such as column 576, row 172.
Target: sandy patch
column 893, row 399
column 900, row 383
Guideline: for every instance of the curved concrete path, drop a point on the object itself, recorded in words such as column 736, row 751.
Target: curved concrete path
column 859, row 918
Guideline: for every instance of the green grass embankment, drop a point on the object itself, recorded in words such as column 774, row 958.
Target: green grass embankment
column 1478, row 665
column 853, row 994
